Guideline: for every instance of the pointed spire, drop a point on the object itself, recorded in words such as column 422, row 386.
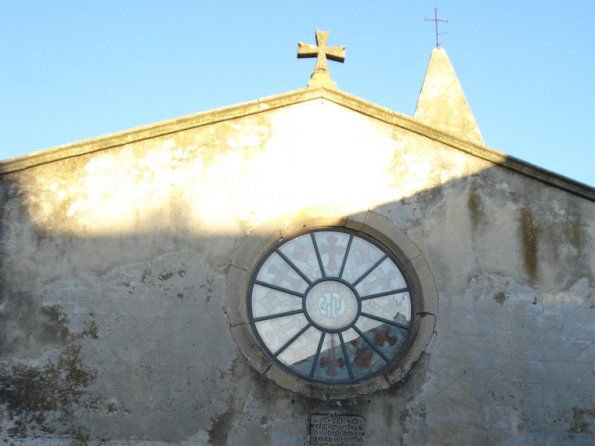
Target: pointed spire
column 442, row 103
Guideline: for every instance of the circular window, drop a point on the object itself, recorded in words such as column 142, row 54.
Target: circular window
column 332, row 306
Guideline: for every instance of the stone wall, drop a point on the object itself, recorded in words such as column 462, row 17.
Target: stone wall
column 114, row 322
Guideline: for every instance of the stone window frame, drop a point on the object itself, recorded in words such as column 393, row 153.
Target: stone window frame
column 255, row 246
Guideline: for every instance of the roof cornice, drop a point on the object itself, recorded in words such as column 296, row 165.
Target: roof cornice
column 282, row 100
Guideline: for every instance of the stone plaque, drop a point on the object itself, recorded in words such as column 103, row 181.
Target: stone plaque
column 336, row 430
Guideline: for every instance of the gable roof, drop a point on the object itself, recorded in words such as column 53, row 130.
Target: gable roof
column 282, row 100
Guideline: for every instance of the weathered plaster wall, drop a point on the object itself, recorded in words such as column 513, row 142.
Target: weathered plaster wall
column 113, row 325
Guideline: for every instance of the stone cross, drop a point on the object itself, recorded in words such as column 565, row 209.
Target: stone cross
column 321, row 76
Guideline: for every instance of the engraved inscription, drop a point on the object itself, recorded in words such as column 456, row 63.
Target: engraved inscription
column 336, row 430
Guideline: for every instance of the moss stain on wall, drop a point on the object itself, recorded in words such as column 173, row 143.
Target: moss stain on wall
column 581, row 421
column 575, row 234
column 476, row 207
column 528, row 234
column 42, row 398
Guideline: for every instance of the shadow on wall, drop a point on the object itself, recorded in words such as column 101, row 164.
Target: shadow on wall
column 125, row 336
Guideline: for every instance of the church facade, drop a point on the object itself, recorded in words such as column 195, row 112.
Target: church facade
column 245, row 275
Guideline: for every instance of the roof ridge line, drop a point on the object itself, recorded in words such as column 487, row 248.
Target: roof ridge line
column 339, row 97
column 480, row 151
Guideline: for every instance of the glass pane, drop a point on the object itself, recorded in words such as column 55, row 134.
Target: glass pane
column 300, row 354
column 331, row 363
column 395, row 307
column 266, row 301
column 276, row 332
column 363, row 359
column 276, row 271
column 301, row 252
column 332, row 247
column 385, row 277
column 386, row 338
column 362, row 256
column 349, row 335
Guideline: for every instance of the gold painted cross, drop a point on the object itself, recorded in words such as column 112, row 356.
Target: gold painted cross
column 321, row 76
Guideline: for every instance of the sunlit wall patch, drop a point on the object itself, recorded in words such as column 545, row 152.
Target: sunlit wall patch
column 332, row 306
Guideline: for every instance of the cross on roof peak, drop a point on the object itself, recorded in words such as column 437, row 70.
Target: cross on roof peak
column 321, row 77
column 436, row 20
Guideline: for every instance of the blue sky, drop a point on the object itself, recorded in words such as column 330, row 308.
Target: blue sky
column 72, row 70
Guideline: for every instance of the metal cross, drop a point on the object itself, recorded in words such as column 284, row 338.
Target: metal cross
column 321, row 75
column 436, row 20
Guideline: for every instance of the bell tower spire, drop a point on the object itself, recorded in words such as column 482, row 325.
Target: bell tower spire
column 442, row 103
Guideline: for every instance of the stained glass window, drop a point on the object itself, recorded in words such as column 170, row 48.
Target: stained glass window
column 331, row 306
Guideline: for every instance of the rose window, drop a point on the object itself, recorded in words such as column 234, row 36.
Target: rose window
column 331, row 306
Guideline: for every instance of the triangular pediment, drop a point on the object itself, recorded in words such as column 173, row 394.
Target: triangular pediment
column 293, row 98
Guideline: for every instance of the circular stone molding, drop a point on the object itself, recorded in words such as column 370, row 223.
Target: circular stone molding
column 332, row 311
